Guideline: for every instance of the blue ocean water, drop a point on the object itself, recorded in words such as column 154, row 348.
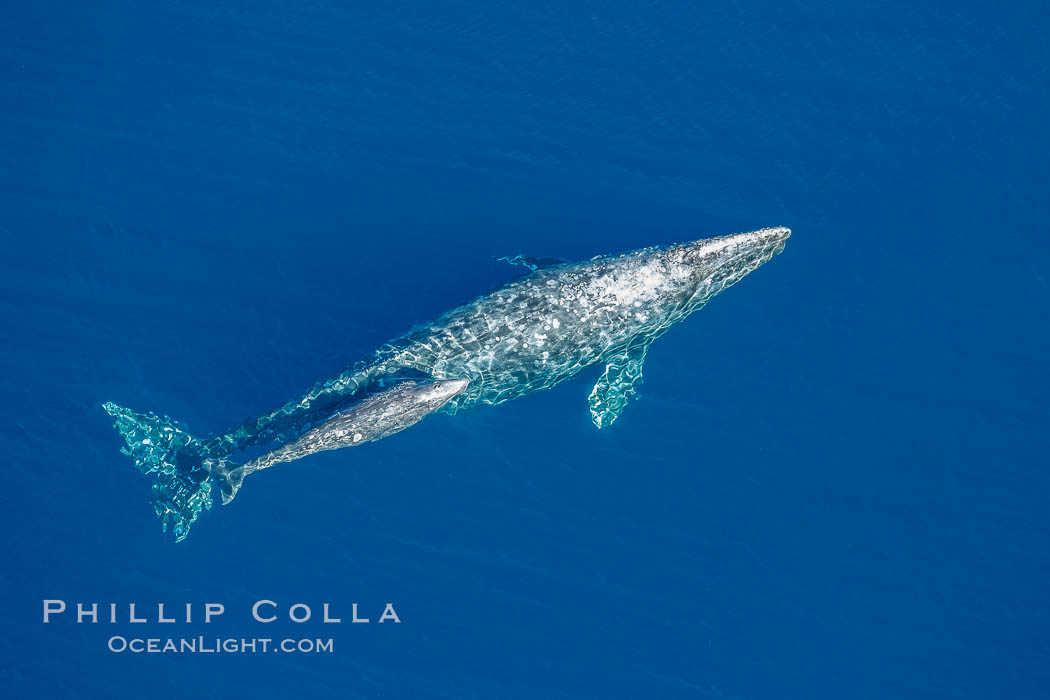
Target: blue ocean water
column 835, row 483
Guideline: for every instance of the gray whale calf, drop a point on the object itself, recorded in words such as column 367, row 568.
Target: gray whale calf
column 370, row 419
column 527, row 336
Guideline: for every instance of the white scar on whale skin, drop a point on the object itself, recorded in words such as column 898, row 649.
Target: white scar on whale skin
column 527, row 336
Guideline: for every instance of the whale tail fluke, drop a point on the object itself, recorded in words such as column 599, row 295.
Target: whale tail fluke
column 228, row 475
column 158, row 447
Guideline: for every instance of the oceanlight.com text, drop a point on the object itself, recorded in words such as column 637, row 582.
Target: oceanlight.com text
column 217, row 645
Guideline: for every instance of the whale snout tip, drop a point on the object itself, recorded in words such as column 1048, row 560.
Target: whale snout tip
column 767, row 238
column 780, row 234
column 452, row 387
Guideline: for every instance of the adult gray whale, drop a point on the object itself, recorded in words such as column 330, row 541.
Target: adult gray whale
column 527, row 336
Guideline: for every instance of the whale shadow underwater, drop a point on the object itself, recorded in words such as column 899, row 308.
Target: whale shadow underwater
column 526, row 336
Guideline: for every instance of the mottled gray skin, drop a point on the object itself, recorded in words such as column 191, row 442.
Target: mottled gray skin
column 539, row 331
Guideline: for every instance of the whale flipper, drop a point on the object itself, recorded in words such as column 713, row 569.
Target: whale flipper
column 616, row 385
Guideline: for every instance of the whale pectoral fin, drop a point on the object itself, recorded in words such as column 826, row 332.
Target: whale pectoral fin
column 616, row 385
